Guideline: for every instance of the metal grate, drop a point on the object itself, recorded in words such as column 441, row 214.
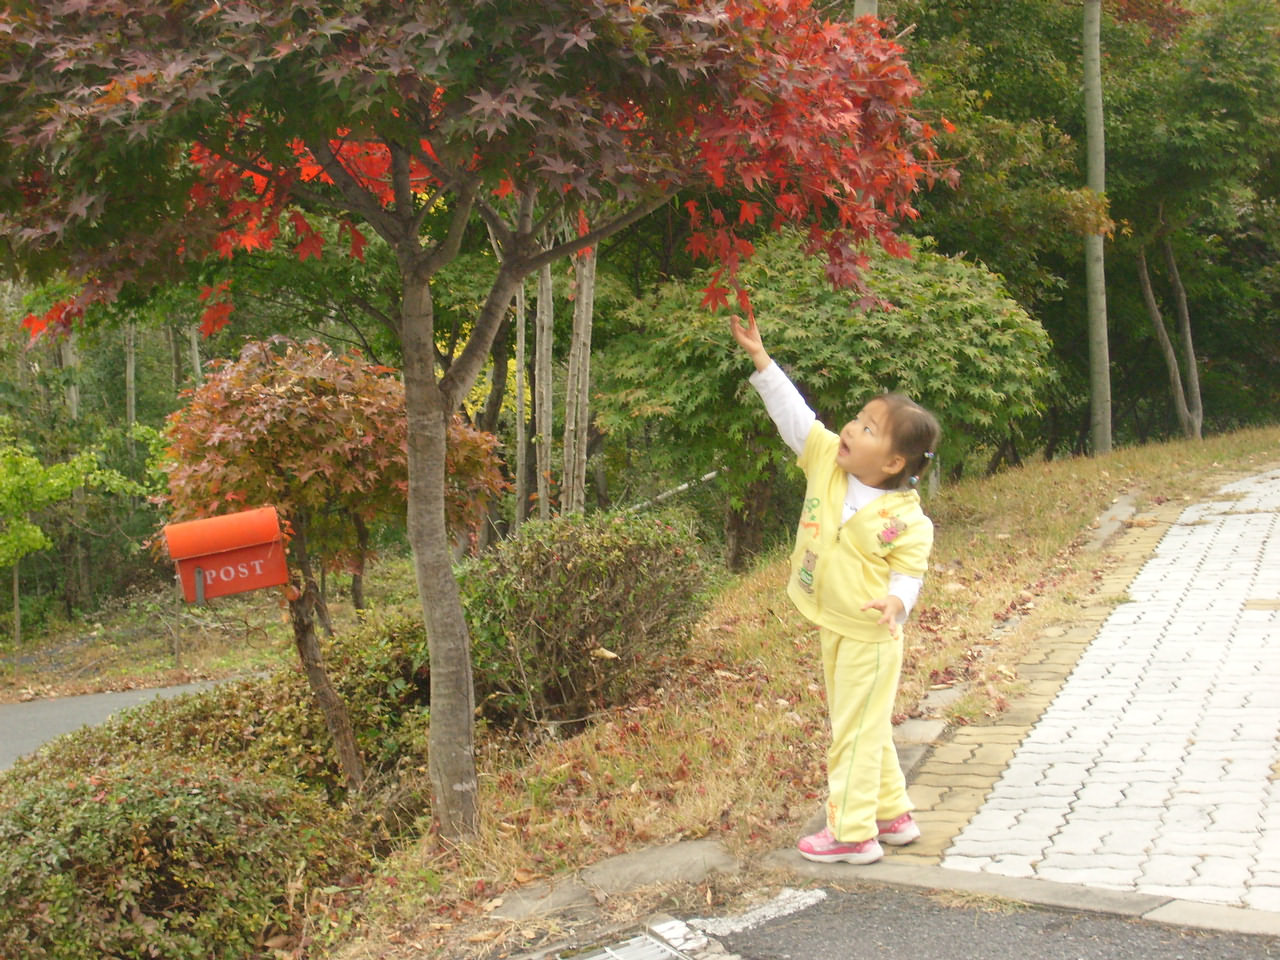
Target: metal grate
column 643, row 947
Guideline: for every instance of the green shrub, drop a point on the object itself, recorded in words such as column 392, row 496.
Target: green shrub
column 576, row 613
column 156, row 856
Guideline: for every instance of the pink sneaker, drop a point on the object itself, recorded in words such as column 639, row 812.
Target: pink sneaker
column 823, row 847
column 898, row 832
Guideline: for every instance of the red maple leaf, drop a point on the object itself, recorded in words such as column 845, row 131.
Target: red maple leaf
column 715, row 296
column 215, row 317
column 311, row 245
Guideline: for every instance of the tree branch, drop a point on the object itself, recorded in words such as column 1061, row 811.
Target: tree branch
column 448, row 248
column 591, row 237
column 361, row 200
column 401, row 184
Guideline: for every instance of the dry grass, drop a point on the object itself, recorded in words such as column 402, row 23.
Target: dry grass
column 732, row 744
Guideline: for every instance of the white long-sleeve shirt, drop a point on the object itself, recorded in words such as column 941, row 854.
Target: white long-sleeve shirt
column 794, row 419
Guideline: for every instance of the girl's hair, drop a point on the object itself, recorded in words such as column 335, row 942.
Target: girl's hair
column 914, row 433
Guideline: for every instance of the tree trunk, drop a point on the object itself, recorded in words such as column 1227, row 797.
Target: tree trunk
column 1185, row 419
column 522, row 424
column 130, row 381
column 743, row 526
column 573, row 491
column 865, row 8
column 1195, row 404
column 193, row 345
column 79, row 585
column 175, row 357
column 362, row 551
column 1095, row 277
column 542, row 384
column 501, row 355
column 17, row 607
column 451, row 750
column 302, row 616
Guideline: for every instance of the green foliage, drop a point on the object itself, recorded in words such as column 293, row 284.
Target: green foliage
column 155, row 856
column 576, row 613
column 27, row 485
column 952, row 339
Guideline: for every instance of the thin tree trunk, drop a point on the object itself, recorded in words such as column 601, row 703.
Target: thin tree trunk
column 1095, row 276
column 79, row 586
column 302, row 615
column 543, row 389
column 522, row 426
column 865, row 8
column 70, row 363
column 577, row 389
column 193, row 347
column 451, row 750
column 17, row 607
column 130, row 381
column 1195, row 403
column 175, row 357
column 1185, row 421
column 362, row 551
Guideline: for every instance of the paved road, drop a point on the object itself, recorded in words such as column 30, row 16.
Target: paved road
column 898, row 924
column 25, row 726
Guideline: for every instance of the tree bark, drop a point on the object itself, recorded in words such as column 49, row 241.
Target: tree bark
column 451, row 746
column 573, row 492
column 542, row 384
column 1095, row 276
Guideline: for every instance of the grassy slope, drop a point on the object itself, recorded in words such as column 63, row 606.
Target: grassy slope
column 732, row 744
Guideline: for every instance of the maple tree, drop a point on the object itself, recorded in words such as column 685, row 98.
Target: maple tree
column 144, row 136
column 322, row 438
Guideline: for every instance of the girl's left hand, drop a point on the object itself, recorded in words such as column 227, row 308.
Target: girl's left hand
column 890, row 607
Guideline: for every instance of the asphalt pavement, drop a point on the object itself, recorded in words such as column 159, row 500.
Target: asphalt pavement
column 24, row 727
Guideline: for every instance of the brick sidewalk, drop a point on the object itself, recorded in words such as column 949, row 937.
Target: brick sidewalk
column 1143, row 755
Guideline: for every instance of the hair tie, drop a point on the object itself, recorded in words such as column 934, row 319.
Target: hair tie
column 912, row 481
column 928, row 454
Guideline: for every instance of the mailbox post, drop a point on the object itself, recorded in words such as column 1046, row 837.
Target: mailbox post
column 229, row 554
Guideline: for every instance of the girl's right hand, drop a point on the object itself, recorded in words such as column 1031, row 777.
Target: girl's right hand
column 749, row 339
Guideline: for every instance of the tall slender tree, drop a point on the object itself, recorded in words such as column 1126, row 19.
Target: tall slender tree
column 1094, row 242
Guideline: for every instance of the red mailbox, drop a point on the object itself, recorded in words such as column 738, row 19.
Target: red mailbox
column 228, row 554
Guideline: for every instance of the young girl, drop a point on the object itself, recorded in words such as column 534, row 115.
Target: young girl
column 861, row 551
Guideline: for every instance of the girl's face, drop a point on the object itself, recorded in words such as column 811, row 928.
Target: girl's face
column 866, row 448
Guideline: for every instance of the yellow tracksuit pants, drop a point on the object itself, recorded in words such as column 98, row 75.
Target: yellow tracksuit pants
column 864, row 780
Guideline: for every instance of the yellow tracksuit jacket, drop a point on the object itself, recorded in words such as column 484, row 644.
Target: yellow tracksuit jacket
column 835, row 569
